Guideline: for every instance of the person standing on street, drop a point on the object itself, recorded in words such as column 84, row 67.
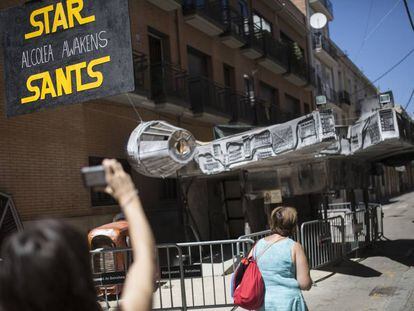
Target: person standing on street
column 47, row 266
column 283, row 264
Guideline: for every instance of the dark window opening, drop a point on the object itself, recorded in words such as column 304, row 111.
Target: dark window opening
column 307, row 108
column 292, row 106
column 198, row 63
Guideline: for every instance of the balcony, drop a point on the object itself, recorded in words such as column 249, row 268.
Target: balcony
column 324, row 49
column 169, row 86
column 243, row 110
column 312, row 81
column 141, row 75
column 344, row 98
column 289, row 12
column 206, row 16
column 209, row 100
column 254, row 41
column 275, row 56
column 323, row 6
column 167, row 5
column 298, row 73
column 269, row 114
column 158, row 86
column 234, row 33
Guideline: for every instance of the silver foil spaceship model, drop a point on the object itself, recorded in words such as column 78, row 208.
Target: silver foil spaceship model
column 158, row 149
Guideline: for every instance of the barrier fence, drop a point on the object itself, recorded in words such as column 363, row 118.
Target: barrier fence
column 197, row 275
column 189, row 275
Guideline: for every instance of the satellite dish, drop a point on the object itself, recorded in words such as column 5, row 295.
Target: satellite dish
column 318, row 20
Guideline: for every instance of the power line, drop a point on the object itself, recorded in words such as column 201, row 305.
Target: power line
column 366, row 30
column 408, row 103
column 388, row 71
column 382, row 20
column 409, row 14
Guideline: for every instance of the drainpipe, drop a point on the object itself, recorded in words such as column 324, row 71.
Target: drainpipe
column 177, row 34
column 311, row 60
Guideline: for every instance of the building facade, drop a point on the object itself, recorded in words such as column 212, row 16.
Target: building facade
column 197, row 63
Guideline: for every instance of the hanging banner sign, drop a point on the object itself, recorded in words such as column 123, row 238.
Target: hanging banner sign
column 64, row 52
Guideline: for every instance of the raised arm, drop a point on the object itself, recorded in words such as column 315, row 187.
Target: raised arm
column 302, row 267
column 138, row 288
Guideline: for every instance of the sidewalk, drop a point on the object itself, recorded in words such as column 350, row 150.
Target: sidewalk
column 378, row 278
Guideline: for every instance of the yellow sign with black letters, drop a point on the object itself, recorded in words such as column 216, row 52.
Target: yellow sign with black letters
column 65, row 52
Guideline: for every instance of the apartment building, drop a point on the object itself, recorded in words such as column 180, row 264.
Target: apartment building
column 196, row 64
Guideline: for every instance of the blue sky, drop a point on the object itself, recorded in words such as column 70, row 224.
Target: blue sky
column 383, row 47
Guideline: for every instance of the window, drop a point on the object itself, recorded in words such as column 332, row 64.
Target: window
column 198, row 63
column 101, row 198
column 292, row 106
column 262, row 23
column 306, row 108
column 229, row 80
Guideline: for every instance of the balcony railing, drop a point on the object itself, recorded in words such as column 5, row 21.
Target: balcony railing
column 234, row 22
column 344, row 97
column 299, row 67
column 141, row 65
column 321, row 42
column 243, row 108
column 213, row 10
column 274, row 49
column 269, row 113
column 207, row 96
column 169, row 83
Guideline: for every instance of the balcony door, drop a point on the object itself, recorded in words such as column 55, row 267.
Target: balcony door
column 200, row 86
column 159, row 57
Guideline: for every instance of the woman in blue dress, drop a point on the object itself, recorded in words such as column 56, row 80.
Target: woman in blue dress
column 283, row 264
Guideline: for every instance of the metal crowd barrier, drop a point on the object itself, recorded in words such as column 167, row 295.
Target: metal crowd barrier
column 323, row 240
column 197, row 275
column 189, row 275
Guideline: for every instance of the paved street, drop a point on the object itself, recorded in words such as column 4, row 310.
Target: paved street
column 383, row 277
column 379, row 278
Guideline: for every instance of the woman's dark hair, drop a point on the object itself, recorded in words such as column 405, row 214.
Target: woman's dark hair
column 46, row 267
column 283, row 220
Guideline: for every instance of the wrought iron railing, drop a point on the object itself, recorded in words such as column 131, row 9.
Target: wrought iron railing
column 270, row 113
column 322, row 42
column 243, row 108
column 344, row 97
column 208, row 96
column 234, row 22
column 213, row 10
column 253, row 35
column 275, row 49
column 141, row 65
column 169, row 82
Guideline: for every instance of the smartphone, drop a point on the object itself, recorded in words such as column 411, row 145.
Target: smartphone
column 94, row 176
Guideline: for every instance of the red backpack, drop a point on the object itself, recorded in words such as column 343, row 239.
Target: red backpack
column 248, row 284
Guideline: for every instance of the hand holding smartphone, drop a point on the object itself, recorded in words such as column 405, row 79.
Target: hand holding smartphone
column 94, row 176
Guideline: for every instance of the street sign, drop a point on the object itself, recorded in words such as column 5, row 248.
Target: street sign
column 109, row 278
column 173, row 272
column 273, row 196
column 64, row 52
